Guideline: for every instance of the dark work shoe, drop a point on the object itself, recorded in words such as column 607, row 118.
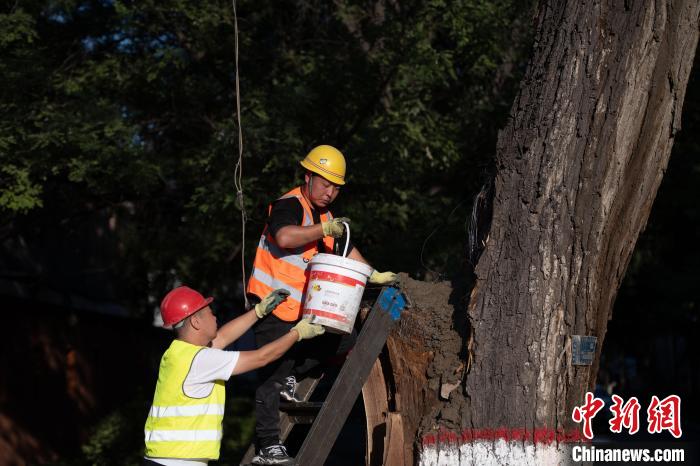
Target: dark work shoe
column 289, row 389
column 274, row 454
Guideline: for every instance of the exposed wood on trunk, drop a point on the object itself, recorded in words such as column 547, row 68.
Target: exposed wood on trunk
column 376, row 401
column 409, row 362
column 394, row 454
column 408, row 389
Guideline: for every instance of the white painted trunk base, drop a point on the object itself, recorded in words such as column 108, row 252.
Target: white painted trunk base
column 498, row 452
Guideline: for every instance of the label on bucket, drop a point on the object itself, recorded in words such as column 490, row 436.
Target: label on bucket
column 333, row 299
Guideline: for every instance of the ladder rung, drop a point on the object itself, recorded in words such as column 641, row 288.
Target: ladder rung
column 303, row 412
column 302, row 406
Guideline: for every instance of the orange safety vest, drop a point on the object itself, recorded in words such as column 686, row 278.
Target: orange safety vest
column 276, row 267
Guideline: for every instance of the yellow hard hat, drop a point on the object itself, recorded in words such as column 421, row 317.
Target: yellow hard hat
column 326, row 161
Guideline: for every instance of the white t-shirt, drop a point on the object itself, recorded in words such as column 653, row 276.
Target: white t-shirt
column 208, row 366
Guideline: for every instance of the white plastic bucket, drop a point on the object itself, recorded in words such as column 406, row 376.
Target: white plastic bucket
column 335, row 290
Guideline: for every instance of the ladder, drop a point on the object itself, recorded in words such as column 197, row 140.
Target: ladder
column 293, row 413
column 333, row 413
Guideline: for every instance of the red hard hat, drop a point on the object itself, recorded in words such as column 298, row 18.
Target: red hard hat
column 180, row 303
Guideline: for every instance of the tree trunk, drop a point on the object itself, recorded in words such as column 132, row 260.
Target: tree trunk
column 577, row 168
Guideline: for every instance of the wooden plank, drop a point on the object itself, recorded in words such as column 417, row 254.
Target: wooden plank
column 304, row 390
column 376, row 401
column 324, row 432
column 394, row 444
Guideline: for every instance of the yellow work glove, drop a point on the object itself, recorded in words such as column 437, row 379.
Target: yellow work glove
column 334, row 227
column 307, row 330
column 383, row 278
column 270, row 302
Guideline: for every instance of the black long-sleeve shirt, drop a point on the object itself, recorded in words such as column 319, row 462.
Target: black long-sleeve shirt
column 289, row 211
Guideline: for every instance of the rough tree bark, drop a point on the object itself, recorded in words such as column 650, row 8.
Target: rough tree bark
column 577, row 168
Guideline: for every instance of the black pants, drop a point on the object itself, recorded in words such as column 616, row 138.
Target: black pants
column 300, row 358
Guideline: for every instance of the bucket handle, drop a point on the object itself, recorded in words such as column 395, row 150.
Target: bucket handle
column 347, row 241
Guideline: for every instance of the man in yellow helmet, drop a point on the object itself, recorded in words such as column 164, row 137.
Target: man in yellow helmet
column 299, row 226
column 184, row 424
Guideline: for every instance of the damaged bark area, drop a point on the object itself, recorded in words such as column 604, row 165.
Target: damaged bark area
column 417, row 384
column 577, row 169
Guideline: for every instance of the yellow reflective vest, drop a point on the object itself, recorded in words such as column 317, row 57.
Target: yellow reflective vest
column 179, row 426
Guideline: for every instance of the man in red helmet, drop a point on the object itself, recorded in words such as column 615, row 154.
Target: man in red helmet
column 184, row 425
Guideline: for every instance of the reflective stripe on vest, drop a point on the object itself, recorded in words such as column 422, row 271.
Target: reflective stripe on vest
column 185, row 411
column 179, row 435
column 276, row 267
column 179, row 426
column 274, row 284
column 294, row 258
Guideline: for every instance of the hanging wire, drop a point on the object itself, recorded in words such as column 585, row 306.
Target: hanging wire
column 238, row 172
column 480, row 222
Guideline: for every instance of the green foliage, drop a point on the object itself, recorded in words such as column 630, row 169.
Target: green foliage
column 20, row 194
column 125, row 110
column 239, row 426
column 117, row 439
